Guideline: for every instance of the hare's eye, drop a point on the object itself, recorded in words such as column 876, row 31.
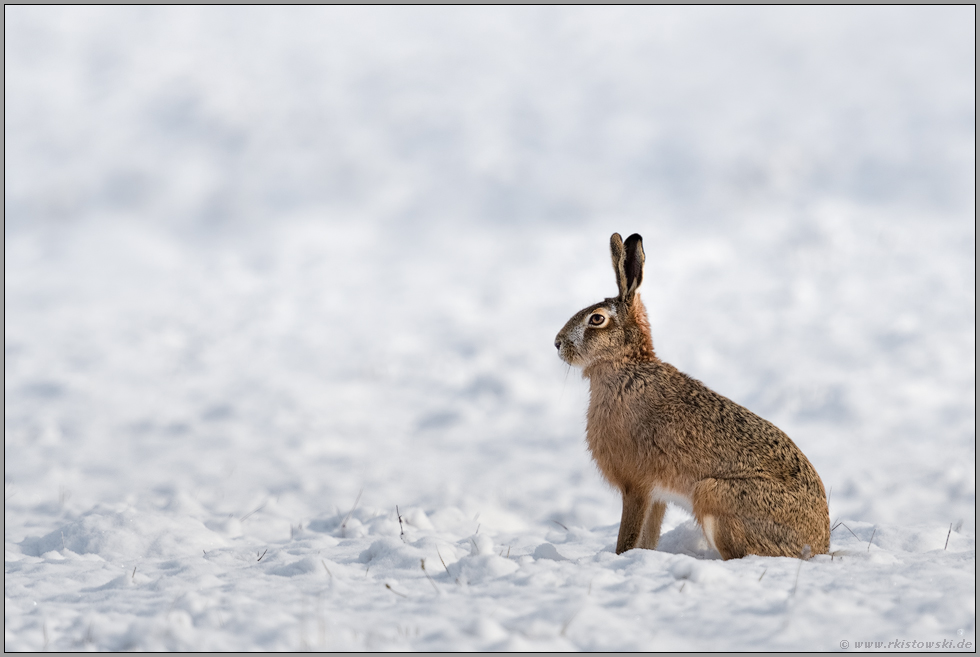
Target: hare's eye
column 597, row 319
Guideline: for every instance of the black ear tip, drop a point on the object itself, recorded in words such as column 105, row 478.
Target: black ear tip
column 634, row 243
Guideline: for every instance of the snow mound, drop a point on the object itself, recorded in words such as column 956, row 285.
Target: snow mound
column 122, row 532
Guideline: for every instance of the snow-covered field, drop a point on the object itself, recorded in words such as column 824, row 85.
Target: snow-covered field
column 272, row 274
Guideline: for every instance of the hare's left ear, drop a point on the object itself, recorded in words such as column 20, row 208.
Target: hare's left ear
column 628, row 262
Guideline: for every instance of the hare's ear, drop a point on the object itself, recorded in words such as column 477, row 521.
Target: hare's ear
column 619, row 263
column 632, row 266
column 628, row 262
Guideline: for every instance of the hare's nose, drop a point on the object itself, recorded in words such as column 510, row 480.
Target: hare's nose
column 558, row 344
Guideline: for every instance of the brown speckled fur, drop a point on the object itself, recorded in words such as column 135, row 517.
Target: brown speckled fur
column 657, row 434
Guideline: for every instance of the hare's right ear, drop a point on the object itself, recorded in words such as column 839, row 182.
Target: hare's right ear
column 628, row 262
column 619, row 262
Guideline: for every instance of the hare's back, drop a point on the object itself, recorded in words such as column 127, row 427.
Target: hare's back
column 729, row 439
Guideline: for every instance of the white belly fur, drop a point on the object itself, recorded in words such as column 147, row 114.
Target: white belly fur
column 709, row 531
column 708, row 525
column 665, row 495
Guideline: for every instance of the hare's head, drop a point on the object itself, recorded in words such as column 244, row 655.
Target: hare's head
column 615, row 329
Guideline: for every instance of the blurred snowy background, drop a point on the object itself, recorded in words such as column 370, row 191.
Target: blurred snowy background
column 266, row 258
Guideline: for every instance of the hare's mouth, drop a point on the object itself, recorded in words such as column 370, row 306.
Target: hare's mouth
column 567, row 352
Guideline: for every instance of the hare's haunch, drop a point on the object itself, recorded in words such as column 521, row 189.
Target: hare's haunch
column 660, row 436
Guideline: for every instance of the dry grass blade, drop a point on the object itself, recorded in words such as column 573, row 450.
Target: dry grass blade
column 564, row 628
column 253, row 512
column 805, row 554
column 948, row 534
column 388, row 586
column 343, row 525
column 442, row 561
column 428, row 577
column 797, row 581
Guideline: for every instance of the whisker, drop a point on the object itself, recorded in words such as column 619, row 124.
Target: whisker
column 568, row 368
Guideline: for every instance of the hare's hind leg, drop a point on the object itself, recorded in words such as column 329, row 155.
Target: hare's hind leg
column 756, row 516
column 650, row 535
column 735, row 537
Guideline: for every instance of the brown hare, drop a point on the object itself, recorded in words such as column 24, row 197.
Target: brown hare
column 660, row 436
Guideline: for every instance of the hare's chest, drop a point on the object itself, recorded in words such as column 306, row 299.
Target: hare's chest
column 617, row 421
column 613, row 443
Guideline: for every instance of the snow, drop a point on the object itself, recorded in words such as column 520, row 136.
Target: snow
column 275, row 278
